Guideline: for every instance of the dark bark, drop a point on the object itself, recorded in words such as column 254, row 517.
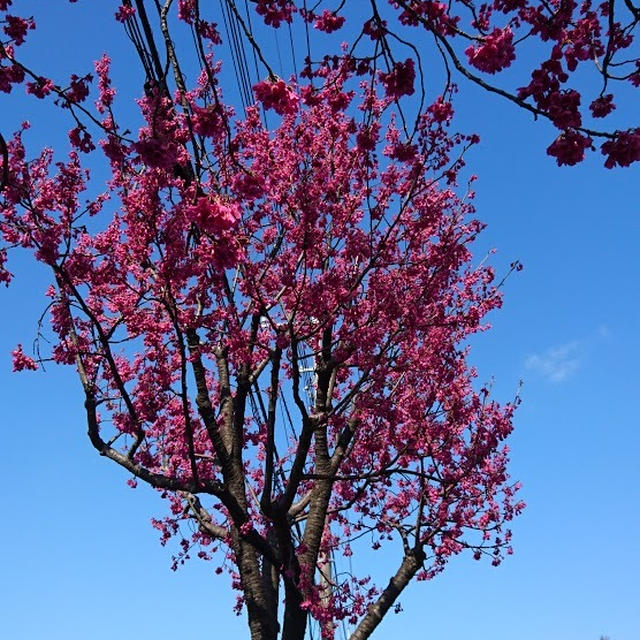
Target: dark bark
column 295, row 618
column 263, row 624
column 271, row 578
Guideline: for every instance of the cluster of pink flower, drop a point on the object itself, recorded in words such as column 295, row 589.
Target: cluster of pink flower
column 81, row 139
column 78, row 90
column 16, row 28
column 327, row 21
column 400, row 80
column 602, row 106
column 579, row 33
column 623, row 150
column 125, row 12
column 21, row 361
column 188, row 12
column 207, row 121
column 213, row 216
column 569, row 147
column 41, row 87
column 495, row 52
column 275, row 12
column 277, row 95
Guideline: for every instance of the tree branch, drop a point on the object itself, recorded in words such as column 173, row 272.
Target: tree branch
column 411, row 563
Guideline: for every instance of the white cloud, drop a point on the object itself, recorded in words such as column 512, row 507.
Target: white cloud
column 556, row 364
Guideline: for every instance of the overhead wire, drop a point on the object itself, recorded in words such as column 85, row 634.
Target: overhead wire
column 255, row 59
column 240, row 50
column 253, row 51
column 235, row 57
column 277, row 41
column 306, row 31
column 293, row 50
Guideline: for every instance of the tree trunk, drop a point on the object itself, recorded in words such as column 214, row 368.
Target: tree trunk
column 263, row 620
column 295, row 618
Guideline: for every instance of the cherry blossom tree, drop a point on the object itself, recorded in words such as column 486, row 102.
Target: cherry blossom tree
column 270, row 323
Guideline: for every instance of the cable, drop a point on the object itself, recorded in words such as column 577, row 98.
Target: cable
column 293, row 51
column 233, row 56
column 253, row 51
column 238, row 43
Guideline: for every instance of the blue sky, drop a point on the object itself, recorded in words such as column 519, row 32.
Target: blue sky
column 81, row 559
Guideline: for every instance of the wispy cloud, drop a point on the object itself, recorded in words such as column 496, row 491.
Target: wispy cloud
column 556, row 364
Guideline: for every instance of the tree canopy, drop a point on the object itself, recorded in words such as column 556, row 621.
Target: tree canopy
column 268, row 303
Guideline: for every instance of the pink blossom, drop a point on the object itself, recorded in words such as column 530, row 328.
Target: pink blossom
column 187, row 10
column 212, row 215
column 5, row 275
column 623, row 150
column 328, row 22
column 441, row 110
column 400, row 80
column 80, row 138
column 41, row 88
column 10, row 75
column 21, row 361
column 107, row 92
column 113, row 149
column 602, row 106
column 155, row 152
column 496, row 51
column 275, row 12
column 563, row 109
column 404, row 152
column 374, row 29
column 16, row 28
column 209, row 31
column 78, row 88
column 207, row 121
column 367, row 137
column 569, row 147
column 277, row 95
column 125, row 12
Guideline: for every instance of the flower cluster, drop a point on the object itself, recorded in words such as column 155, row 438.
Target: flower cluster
column 125, row 12
column 400, row 80
column 569, row 147
column 213, row 216
column 623, row 150
column 21, row 361
column 578, row 33
column 275, row 12
column 41, row 87
column 207, row 121
column 601, row 107
column 16, row 28
column 78, row 90
column 495, row 53
column 328, row 22
column 277, row 95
